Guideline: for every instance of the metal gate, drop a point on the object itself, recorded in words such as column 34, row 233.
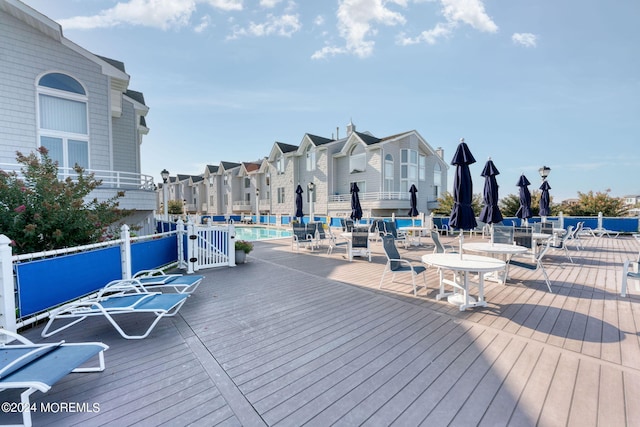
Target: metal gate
column 210, row 246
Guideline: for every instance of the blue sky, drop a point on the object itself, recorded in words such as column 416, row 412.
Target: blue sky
column 527, row 83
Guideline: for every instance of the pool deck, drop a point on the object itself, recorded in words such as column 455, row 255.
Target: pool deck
column 302, row 338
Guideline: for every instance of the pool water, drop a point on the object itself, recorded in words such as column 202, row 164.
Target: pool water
column 260, row 233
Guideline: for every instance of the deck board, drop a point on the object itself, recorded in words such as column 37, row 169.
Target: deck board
column 304, row 338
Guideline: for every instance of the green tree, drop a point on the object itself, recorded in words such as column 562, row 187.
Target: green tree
column 590, row 204
column 445, row 204
column 39, row 212
column 175, row 207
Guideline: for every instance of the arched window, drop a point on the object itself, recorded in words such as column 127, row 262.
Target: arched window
column 63, row 123
column 388, row 173
column 311, row 158
column 357, row 159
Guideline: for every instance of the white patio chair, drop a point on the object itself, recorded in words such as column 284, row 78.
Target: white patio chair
column 630, row 270
column 395, row 264
column 535, row 265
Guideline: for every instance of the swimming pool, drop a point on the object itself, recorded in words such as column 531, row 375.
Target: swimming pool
column 260, row 233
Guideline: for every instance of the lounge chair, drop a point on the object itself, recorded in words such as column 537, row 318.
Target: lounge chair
column 562, row 242
column 159, row 280
column 395, row 264
column 37, row 367
column 390, row 228
column 502, row 234
column 120, row 297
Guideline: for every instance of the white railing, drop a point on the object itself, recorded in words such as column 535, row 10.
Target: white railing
column 110, row 179
column 383, row 195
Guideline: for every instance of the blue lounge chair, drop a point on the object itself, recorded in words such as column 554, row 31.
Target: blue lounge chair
column 121, row 297
column 158, row 280
column 37, row 367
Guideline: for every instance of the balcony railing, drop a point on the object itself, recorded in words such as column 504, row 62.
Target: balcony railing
column 383, row 195
column 110, row 179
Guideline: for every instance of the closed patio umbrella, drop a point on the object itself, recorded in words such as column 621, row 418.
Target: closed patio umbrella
column 462, row 216
column 356, row 209
column 299, row 213
column 544, row 199
column 524, row 211
column 490, row 213
column 413, row 211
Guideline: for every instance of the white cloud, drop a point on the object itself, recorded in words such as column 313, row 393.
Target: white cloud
column 355, row 25
column 455, row 12
column 204, row 23
column 161, row 14
column 269, row 3
column 525, row 39
column 318, row 21
column 284, row 25
column 470, row 12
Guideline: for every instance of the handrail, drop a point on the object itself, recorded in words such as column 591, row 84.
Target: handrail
column 110, row 179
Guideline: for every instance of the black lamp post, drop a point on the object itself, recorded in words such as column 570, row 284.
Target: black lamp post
column 165, row 193
column 544, row 172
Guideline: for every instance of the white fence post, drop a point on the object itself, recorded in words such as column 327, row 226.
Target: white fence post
column 125, row 252
column 7, row 288
column 192, row 247
column 232, row 245
column 181, row 233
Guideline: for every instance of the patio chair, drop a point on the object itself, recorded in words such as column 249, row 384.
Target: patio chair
column 395, row 264
column 359, row 244
column 120, row 297
column 562, row 242
column 438, row 247
column 535, row 265
column 335, row 243
column 347, row 224
column 158, row 280
column 301, row 236
column 630, row 270
column 502, row 234
column 37, row 367
column 316, row 229
column 577, row 232
column 390, row 228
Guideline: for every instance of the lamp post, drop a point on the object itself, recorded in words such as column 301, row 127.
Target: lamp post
column 544, row 172
column 257, row 205
column 311, row 188
column 165, row 194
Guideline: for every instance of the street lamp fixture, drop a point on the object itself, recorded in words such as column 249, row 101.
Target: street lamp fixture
column 311, row 188
column 165, row 195
column 544, row 172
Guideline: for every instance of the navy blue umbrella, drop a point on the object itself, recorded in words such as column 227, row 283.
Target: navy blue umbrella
column 356, row 209
column 524, row 211
column 462, row 215
column 490, row 213
column 413, row 211
column 299, row 213
column 544, row 199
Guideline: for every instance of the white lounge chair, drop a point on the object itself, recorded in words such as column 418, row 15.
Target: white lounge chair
column 37, row 367
column 120, row 297
column 630, row 270
column 159, row 280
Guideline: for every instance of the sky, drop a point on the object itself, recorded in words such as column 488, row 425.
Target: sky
column 527, row 83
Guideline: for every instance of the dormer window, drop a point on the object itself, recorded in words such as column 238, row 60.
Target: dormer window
column 357, row 159
column 311, row 158
column 280, row 165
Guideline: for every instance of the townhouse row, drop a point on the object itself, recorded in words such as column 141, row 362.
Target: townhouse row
column 384, row 168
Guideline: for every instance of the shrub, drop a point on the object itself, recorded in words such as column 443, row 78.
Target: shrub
column 243, row 245
column 39, row 212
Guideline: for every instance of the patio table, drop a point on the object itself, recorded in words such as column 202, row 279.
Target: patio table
column 463, row 265
column 503, row 251
column 414, row 233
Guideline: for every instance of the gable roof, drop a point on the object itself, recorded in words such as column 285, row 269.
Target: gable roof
column 286, row 148
column 212, row 168
column 368, row 139
column 228, row 165
column 318, row 140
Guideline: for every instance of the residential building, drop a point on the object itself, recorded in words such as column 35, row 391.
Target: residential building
column 58, row 95
column 325, row 168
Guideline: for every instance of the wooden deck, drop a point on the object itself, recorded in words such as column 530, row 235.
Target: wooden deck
column 293, row 339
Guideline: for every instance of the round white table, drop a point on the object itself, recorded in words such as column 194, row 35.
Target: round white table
column 462, row 265
column 503, row 251
column 414, row 232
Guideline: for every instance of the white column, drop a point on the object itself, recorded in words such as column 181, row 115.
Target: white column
column 7, row 289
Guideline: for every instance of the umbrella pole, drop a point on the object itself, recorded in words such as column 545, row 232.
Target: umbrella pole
column 461, row 241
